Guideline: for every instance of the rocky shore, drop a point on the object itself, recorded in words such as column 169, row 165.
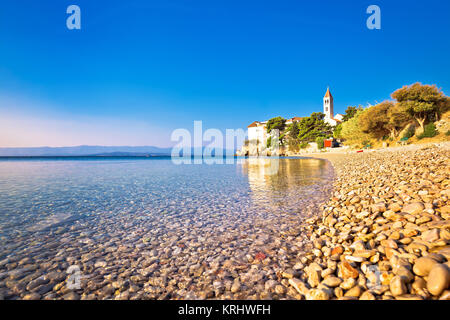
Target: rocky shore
column 385, row 233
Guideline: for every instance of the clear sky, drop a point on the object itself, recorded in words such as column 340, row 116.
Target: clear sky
column 139, row 69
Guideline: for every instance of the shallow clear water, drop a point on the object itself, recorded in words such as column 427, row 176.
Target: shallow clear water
column 33, row 192
column 82, row 205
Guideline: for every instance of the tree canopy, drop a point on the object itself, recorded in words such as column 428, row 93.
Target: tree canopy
column 398, row 118
column 351, row 129
column 423, row 102
column 294, row 130
column 276, row 123
column 337, row 131
column 310, row 128
column 292, row 136
column 350, row 112
column 383, row 119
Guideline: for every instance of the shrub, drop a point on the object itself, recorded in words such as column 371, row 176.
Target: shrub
column 429, row 131
column 269, row 142
column 293, row 145
column 281, row 138
column 410, row 132
column 320, row 142
column 304, row 145
column 447, row 133
column 366, row 144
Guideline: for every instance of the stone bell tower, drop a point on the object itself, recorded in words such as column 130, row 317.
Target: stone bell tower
column 328, row 105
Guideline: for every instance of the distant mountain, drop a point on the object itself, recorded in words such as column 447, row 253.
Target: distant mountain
column 128, row 154
column 100, row 151
column 83, row 151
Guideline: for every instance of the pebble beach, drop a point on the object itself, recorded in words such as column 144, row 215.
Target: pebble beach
column 385, row 232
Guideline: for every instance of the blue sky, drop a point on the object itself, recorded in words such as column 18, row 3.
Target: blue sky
column 139, row 69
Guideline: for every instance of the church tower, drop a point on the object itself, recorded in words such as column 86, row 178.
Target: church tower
column 328, row 105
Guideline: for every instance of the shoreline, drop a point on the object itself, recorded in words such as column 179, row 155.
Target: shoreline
column 385, row 233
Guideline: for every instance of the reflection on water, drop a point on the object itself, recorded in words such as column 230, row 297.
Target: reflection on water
column 286, row 182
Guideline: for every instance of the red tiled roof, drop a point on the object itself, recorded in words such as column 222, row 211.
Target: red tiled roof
column 328, row 93
column 254, row 124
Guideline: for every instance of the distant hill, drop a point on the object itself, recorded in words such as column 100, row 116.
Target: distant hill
column 84, row 151
column 128, row 154
column 99, row 151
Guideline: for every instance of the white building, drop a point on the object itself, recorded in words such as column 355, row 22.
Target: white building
column 257, row 131
column 257, row 137
column 328, row 110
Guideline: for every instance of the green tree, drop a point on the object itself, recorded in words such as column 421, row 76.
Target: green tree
column 351, row 129
column 398, row 118
column 350, row 112
column 382, row 119
column 443, row 107
column 421, row 101
column 269, row 142
column 320, row 142
column 337, row 131
column 375, row 120
column 429, row 131
column 282, row 138
column 310, row 128
column 276, row 123
column 292, row 137
column 294, row 130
